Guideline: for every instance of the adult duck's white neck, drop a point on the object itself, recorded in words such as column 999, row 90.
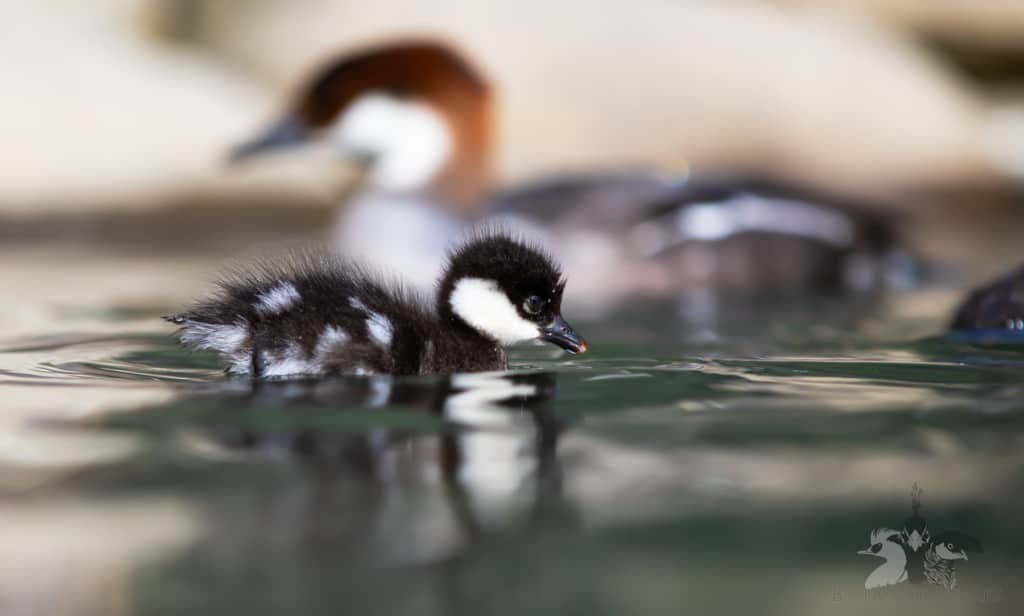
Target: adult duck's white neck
column 408, row 142
column 398, row 235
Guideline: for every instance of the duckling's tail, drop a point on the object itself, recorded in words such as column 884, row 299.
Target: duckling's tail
column 233, row 340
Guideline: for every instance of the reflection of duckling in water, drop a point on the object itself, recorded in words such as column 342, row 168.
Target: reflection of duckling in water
column 495, row 453
column 942, row 554
column 508, row 405
column 884, row 544
column 420, row 470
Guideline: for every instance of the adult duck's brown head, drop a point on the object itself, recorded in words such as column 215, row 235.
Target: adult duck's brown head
column 417, row 113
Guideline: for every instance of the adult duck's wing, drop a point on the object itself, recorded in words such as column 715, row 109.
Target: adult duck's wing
column 597, row 199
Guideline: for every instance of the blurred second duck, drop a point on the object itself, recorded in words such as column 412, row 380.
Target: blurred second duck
column 421, row 117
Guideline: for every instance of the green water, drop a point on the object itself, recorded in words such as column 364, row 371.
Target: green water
column 731, row 457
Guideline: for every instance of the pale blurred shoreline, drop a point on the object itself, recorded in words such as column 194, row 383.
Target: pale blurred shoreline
column 134, row 102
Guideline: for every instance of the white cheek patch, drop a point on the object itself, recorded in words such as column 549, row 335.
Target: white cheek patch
column 486, row 308
column 409, row 140
column 277, row 299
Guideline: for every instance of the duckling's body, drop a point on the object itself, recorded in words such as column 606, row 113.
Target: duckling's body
column 318, row 315
column 321, row 316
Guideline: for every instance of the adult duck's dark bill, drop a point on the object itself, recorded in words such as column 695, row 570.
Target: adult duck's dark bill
column 563, row 335
column 286, row 132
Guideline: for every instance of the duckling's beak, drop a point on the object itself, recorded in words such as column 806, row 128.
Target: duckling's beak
column 286, row 132
column 562, row 334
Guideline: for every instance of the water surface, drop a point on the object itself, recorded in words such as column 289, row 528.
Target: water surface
column 732, row 455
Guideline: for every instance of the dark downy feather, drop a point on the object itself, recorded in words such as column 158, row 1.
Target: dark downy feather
column 316, row 314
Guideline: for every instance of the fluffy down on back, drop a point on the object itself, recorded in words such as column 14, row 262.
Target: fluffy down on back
column 317, row 315
column 312, row 315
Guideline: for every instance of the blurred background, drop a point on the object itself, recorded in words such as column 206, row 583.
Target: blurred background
column 116, row 206
column 124, row 107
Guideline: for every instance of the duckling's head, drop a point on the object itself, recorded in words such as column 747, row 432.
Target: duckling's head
column 415, row 112
column 506, row 290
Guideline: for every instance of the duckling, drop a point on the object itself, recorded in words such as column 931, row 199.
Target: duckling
column 318, row 315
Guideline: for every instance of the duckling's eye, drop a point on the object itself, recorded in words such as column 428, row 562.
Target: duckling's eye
column 949, row 546
column 533, row 304
column 876, row 548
